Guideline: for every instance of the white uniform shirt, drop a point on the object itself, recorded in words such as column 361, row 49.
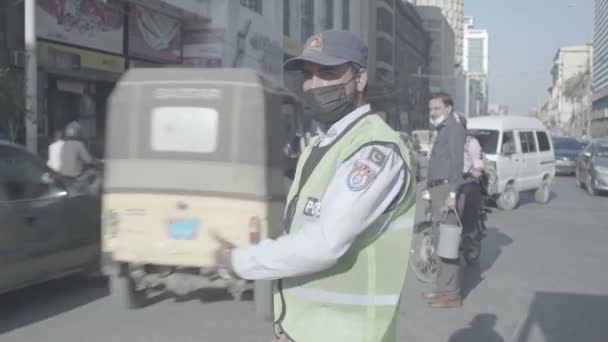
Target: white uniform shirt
column 346, row 212
column 55, row 155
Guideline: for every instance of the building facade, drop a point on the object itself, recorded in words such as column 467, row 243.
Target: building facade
column 569, row 106
column 453, row 11
column 83, row 50
column 599, row 114
column 476, row 68
column 398, row 54
column 441, row 51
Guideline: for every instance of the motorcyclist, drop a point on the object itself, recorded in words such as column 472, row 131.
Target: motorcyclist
column 76, row 161
column 470, row 193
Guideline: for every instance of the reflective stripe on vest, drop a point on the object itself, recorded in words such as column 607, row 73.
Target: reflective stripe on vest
column 342, row 298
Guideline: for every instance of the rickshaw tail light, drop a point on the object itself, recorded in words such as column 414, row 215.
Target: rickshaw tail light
column 255, row 230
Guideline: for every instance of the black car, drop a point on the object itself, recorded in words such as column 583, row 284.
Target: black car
column 49, row 226
column 592, row 167
column 566, row 152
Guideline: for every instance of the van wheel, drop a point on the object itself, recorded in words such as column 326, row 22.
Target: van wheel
column 509, row 199
column 263, row 299
column 543, row 194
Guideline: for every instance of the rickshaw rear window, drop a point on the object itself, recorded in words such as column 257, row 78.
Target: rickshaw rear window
column 184, row 129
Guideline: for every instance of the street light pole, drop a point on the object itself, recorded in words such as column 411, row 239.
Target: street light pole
column 31, row 77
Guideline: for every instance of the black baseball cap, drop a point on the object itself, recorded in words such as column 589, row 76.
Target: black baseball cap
column 331, row 48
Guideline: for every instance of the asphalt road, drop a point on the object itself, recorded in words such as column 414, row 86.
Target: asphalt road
column 541, row 277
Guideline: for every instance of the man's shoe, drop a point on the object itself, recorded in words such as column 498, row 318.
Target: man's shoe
column 431, row 295
column 443, row 302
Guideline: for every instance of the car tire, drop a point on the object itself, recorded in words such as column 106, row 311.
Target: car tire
column 263, row 299
column 509, row 199
column 543, row 194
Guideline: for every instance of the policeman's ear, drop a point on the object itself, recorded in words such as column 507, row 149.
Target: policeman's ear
column 361, row 80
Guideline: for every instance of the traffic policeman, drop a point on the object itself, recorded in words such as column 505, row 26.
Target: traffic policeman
column 342, row 261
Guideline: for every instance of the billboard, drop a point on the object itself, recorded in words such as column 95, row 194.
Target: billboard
column 204, row 48
column 154, row 36
column 91, row 24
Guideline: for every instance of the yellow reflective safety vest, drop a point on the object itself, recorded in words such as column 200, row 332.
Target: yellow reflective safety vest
column 358, row 298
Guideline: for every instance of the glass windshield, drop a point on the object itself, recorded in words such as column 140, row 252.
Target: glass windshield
column 601, row 149
column 566, row 144
column 487, row 138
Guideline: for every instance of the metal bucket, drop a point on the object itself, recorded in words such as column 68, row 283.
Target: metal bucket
column 450, row 235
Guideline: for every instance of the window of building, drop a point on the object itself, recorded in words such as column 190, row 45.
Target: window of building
column 287, row 17
column 543, row 141
column 345, row 14
column 328, row 20
column 384, row 50
column 476, row 54
column 308, row 15
column 384, row 21
column 254, row 5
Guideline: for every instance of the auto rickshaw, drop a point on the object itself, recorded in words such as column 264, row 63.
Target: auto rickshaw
column 191, row 153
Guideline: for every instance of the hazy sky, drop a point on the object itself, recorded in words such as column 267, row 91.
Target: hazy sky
column 524, row 37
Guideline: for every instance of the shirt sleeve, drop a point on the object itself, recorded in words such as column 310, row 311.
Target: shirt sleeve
column 84, row 154
column 456, row 141
column 475, row 154
column 363, row 188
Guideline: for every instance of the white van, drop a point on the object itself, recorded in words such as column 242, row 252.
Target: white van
column 523, row 154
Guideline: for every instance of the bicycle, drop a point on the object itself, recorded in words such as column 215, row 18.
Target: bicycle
column 423, row 259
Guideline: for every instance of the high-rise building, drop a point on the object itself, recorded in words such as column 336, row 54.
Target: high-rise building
column 441, row 52
column 453, row 10
column 599, row 116
column 476, row 66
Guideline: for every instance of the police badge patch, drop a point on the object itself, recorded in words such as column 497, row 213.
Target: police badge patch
column 360, row 177
column 377, row 157
column 312, row 207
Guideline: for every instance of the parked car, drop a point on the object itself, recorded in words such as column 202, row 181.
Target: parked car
column 592, row 167
column 522, row 155
column 49, row 227
column 566, row 151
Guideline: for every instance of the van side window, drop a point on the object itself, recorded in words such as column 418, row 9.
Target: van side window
column 528, row 143
column 508, row 143
column 543, row 141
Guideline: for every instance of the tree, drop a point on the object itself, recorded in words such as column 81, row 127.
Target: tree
column 577, row 89
column 12, row 107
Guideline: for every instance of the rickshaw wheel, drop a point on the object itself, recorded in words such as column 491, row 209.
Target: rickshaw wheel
column 132, row 297
column 237, row 289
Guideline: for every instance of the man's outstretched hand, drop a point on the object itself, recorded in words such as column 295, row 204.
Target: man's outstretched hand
column 223, row 256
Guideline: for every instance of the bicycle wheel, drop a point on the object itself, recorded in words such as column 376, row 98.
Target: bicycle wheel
column 422, row 258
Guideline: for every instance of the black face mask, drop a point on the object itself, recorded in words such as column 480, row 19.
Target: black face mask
column 327, row 105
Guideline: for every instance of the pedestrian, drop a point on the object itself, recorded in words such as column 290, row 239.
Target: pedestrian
column 54, row 161
column 444, row 179
column 342, row 261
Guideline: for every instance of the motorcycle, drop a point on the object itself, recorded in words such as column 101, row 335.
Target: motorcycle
column 423, row 259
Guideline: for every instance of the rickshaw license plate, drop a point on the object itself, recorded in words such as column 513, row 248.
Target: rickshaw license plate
column 183, row 229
